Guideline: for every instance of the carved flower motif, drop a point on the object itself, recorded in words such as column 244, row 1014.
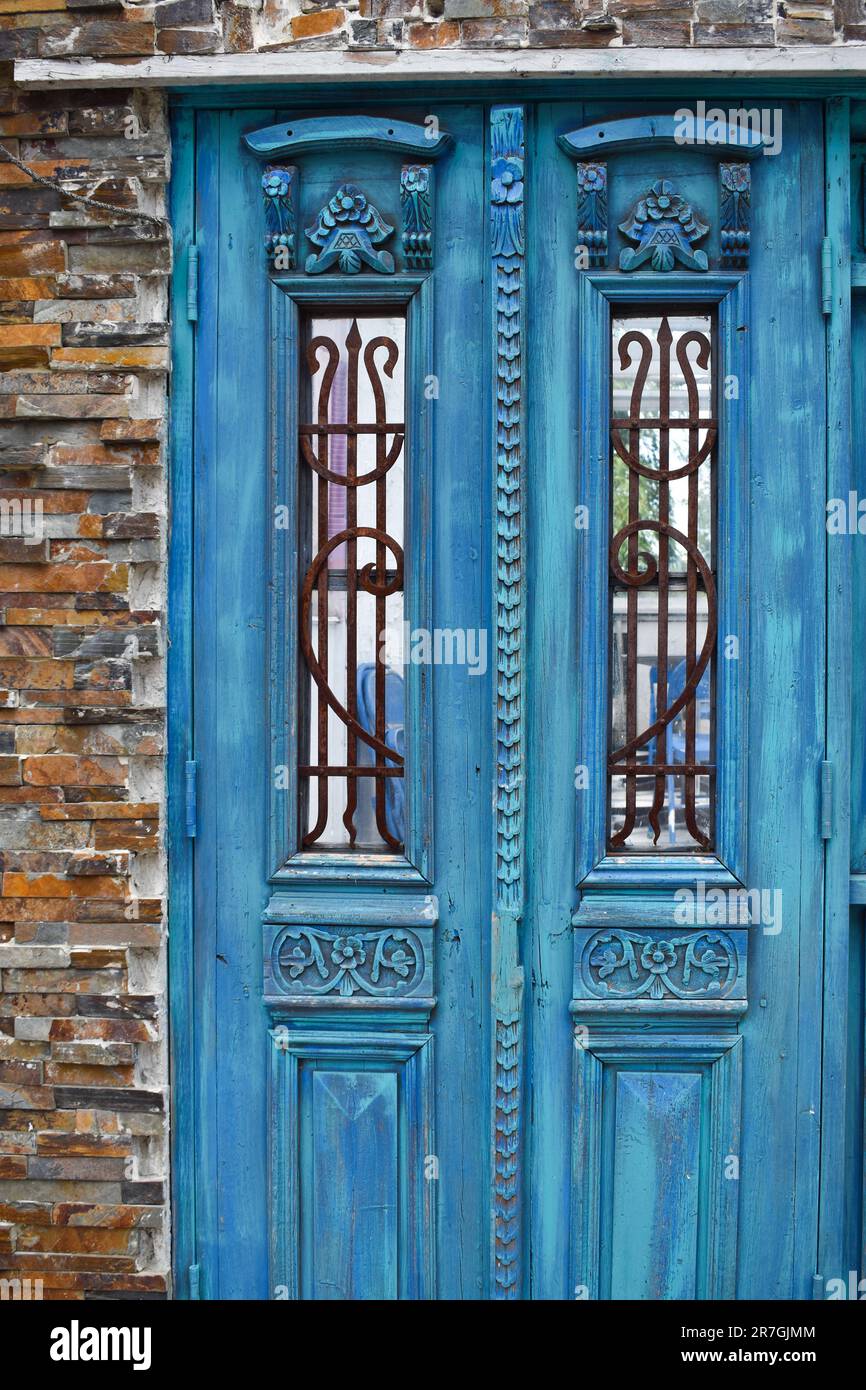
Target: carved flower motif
column 275, row 184
column 662, row 203
column 348, row 953
column 592, row 178
column 348, row 204
column 415, row 178
column 658, row 957
column 507, row 181
column 737, row 177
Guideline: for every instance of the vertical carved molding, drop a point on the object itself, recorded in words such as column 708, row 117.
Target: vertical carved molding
column 736, row 215
column 279, row 189
column 592, row 211
column 416, row 206
column 508, row 254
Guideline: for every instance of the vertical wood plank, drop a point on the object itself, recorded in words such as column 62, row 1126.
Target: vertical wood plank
column 179, row 714
column 831, row 1250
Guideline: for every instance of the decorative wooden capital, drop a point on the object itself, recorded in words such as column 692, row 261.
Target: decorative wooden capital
column 348, row 230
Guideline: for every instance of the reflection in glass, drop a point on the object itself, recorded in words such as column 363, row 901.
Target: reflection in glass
column 351, row 620
column 662, row 586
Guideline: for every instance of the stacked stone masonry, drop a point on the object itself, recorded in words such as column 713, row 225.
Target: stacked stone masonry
column 83, row 371
column 127, row 28
column 84, row 361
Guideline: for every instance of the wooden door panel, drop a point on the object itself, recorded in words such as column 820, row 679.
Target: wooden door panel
column 674, row 1196
column 323, row 1122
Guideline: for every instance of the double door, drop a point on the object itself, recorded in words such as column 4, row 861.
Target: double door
column 507, row 645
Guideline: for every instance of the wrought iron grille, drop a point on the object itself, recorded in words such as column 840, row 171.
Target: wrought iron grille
column 352, row 565
column 663, row 596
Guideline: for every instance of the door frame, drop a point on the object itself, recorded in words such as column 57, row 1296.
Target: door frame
column 189, row 974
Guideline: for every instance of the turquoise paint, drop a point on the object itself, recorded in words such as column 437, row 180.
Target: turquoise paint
column 351, row 1201
column 254, row 1181
column 327, row 133
column 179, row 723
column 837, row 917
column 655, row 1184
column 659, row 132
column 616, row 1126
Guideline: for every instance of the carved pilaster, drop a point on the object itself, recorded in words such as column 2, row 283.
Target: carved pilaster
column 280, row 190
column 416, row 206
column 508, row 251
column 736, row 215
column 592, row 212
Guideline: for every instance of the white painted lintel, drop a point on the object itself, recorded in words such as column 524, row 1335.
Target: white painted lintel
column 805, row 61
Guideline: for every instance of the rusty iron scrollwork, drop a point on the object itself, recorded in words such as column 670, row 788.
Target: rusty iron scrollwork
column 380, row 578
column 643, row 753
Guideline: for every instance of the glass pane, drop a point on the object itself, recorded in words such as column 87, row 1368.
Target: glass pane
column 352, row 510
column 662, row 583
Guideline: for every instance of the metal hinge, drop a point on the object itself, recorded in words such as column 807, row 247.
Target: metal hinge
column 826, row 801
column 826, row 276
column 194, row 1281
column 192, row 284
column 191, row 806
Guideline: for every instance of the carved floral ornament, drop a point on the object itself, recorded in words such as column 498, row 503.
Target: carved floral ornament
column 620, row 964
column 349, row 231
column 377, row 963
column 665, row 227
column 663, row 224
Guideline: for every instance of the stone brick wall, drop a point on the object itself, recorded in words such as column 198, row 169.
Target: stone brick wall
column 127, row 28
column 83, row 359
column 83, row 363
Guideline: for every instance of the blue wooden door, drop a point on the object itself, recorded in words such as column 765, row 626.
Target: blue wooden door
column 341, row 538
column 677, row 710
column 507, row 648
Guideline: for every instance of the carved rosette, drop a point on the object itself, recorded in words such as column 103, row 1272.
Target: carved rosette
column 508, row 252
column 313, row 961
column 620, row 964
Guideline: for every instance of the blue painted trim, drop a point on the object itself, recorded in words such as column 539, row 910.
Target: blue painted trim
column 647, row 908
column 289, row 295
column 832, row 1252
column 203, row 942
column 658, row 132
column 299, row 96
column 599, row 294
column 179, row 719
column 323, row 134
column 508, row 317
